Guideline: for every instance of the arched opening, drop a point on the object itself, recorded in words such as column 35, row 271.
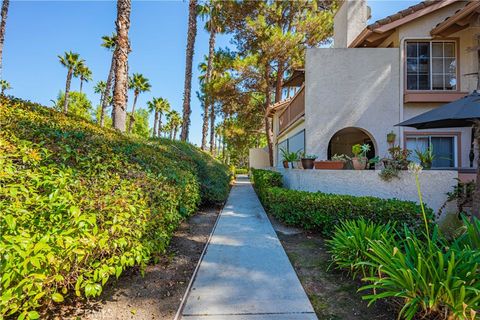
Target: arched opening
column 343, row 141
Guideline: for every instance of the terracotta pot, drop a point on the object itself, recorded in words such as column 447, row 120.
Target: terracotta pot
column 285, row 164
column 359, row 163
column 329, row 165
column 307, row 163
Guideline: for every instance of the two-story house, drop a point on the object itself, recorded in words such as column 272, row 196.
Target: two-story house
column 378, row 75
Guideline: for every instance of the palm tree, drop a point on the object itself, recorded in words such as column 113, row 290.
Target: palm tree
column 71, row 61
column 192, row 33
column 163, row 108
column 211, row 12
column 5, row 85
column 3, row 23
column 84, row 73
column 122, row 49
column 152, row 107
column 108, row 43
column 174, row 122
column 138, row 83
column 100, row 88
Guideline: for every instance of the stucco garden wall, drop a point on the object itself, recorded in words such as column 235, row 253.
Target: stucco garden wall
column 351, row 88
column 258, row 158
column 434, row 184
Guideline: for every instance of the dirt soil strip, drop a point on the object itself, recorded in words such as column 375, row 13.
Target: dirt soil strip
column 333, row 294
column 158, row 294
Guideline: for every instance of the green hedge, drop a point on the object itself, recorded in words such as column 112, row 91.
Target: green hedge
column 322, row 212
column 80, row 204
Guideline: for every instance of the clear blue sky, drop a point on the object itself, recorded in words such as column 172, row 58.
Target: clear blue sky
column 38, row 31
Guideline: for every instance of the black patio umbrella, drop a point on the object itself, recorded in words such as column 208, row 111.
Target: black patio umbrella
column 463, row 112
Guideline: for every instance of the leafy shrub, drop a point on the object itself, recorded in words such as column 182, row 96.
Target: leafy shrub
column 350, row 243
column 322, row 212
column 263, row 180
column 433, row 279
column 241, row 171
column 80, row 204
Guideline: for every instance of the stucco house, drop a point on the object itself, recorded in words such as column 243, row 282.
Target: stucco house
column 381, row 74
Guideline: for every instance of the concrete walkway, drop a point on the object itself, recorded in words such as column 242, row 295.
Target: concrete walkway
column 245, row 273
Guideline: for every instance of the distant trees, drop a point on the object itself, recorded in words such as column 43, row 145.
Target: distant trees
column 4, row 85
column 3, row 24
column 71, row 61
column 192, row 33
column 78, row 104
column 84, row 73
column 122, row 49
column 138, row 83
column 173, row 123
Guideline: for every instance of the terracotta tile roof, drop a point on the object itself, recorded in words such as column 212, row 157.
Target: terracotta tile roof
column 402, row 14
column 470, row 8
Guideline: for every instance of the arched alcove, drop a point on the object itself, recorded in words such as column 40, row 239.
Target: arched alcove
column 343, row 140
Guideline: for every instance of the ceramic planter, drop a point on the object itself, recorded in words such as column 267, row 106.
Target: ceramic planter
column 329, row 165
column 359, row 163
column 307, row 163
column 286, row 164
column 391, row 137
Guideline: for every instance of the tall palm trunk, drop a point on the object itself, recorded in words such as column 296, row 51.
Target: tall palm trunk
column 160, row 124
column 175, row 133
column 171, row 134
column 192, row 33
column 205, row 125
column 208, row 100
column 212, row 130
column 3, row 23
column 155, row 125
column 106, row 93
column 67, row 90
column 122, row 49
column 131, row 120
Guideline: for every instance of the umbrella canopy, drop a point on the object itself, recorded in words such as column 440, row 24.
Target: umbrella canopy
column 460, row 113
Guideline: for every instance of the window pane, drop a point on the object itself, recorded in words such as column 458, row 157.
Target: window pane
column 416, row 144
column 449, row 50
column 437, row 82
column 443, row 149
column 424, row 49
column 424, row 65
column 412, row 82
column 450, row 65
column 451, row 81
column 282, row 145
column 412, row 65
column 412, row 49
column 437, row 65
column 297, row 142
column 437, row 49
column 424, row 82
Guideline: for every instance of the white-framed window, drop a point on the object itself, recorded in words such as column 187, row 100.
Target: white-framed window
column 431, row 65
column 444, row 148
column 295, row 143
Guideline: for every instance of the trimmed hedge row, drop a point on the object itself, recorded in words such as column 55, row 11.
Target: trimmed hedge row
column 322, row 212
column 79, row 204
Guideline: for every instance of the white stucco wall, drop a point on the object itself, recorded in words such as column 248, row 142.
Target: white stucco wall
column 258, row 158
column 351, row 88
column 434, row 184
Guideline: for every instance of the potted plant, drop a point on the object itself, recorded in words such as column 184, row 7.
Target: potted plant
column 359, row 160
column 308, row 160
column 425, row 157
column 391, row 136
column 336, row 163
column 288, row 158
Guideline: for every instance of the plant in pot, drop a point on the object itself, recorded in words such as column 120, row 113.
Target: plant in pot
column 391, row 136
column 288, row 158
column 397, row 162
column 425, row 157
column 336, row 163
column 308, row 160
column 359, row 159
